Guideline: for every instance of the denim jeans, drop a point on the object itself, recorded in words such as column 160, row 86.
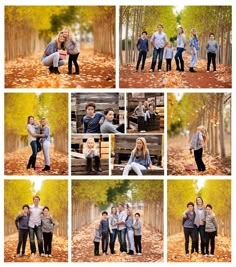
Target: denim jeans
column 122, row 240
column 130, row 235
column 141, row 56
column 137, row 168
column 23, row 234
column 36, row 231
column 33, row 145
column 179, row 58
column 194, row 59
column 113, row 236
column 46, row 147
column 189, row 232
column 199, row 230
column 157, row 52
column 53, row 60
column 211, row 57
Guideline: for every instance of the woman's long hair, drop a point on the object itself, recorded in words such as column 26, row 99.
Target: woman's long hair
column 203, row 130
column 70, row 35
column 144, row 148
column 192, row 33
column 60, row 45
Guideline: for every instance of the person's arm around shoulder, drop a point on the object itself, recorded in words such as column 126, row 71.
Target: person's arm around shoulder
column 102, row 118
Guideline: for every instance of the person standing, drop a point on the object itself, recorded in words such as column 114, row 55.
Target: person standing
column 113, row 219
column 211, row 48
column 194, row 47
column 122, row 231
column 142, row 46
column 181, row 43
column 45, row 143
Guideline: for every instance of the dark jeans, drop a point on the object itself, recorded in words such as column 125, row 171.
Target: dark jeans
column 141, row 56
column 198, row 158
column 113, row 236
column 90, row 163
column 73, row 58
column 122, row 240
column 121, row 128
column 200, row 230
column 32, row 158
column 36, row 231
column 168, row 64
column 23, row 234
column 105, row 241
column 157, row 52
column 137, row 243
column 210, row 237
column 211, row 57
column 47, row 243
column 179, row 58
column 189, row 232
column 96, row 248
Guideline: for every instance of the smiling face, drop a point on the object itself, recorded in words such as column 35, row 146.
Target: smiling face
column 113, row 210
column 61, row 38
column 65, row 33
column 139, row 144
column 199, row 201
column 36, row 201
column 25, row 210
column 31, row 120
column 110, row 115
column 90, row 144
column 45, row 212
column 190, row 208
column 212, row 37
column 159, row 28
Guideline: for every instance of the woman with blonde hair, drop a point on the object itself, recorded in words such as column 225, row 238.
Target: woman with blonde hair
column 139, row 159
column 130, row 231
column 51, row 56
column 45, row 143
column 194, row 47
column 91, row 153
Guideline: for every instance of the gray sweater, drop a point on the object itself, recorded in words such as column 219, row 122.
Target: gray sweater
column 189, row 221
column 108, row 127
column 168, row 53
column 47, row 224
column 211, row 223
column 129, row 223
column 22, row 222
column 137, row 227
column 212, row 46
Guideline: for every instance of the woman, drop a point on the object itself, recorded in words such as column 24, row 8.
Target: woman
column 51, row 56
column 45, row 143
column 139, row 158
column 194, row 47
column 113, row 229
column 130, row 231
column 181, row 43
column 32, row 135
column 199, row 224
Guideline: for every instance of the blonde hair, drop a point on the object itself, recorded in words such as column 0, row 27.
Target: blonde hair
column 169, row 43
column 90, row 140
column 70, row 34
column 46, row 120
column 145, row 103
column 130, row 211
column 59, row 46
column 203, row 130
column 144, row 148
column 193, row 30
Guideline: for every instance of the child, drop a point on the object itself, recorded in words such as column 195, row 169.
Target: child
column 139, row 158
column 104, row 229
column 72, row 47
column 113, row 220
column 107, row 126
column 92, row 120
column 96, row 241
column 168, row 55
column 92, row 153
column 137, row 234
column 194, row 47
column 210, row 230
column 197, row 143
column 139, row 112
column 22, row 221
column 150, row 112
column 47, row 229
column 142, row 46
column 211, row 48
column 188, row 224
column 130, row 231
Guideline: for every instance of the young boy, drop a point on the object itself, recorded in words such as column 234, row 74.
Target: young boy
column 92, row 120
column 22, row 221
column 142, row 46
column 96, row 241
column 210, row 230
column 211, row 48
column 137, row 234
column 188, row 224
column 107, row 126
column 104, row 229
column 168, row 55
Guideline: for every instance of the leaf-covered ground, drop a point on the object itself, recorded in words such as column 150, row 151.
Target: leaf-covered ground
column 83, row 247
column 59, row 250
column 96, row 71
column 174, row 79
column 176, row 252
column 15, row 163
column 179, row 158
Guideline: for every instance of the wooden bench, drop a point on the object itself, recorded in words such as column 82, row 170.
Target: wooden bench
column 139, row 124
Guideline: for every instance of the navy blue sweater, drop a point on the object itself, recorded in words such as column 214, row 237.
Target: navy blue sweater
column 91, row 125
column 22, row 221
column 142, row 44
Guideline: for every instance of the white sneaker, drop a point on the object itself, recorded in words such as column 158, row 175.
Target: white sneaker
column 139, row 254
column 211, row 255
column 150, row 70
column 124, row 252
column 187, row 255
column 207, row 70
column 159, row 70
column 50, row 255
column 32, row 254
column 205, row 255
column 17, row 255
column 104, row 254
column 42, row 255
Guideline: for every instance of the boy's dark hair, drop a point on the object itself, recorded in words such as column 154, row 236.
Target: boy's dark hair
column 137, row 213
column 160, row 25
column 25, row 206
column 209, row 206
column 104, row 212
column 211, row 34
column 36, row 197
column 144, row 32
column 190, row 203
column 200, row 198
column 122, row 205
column 46, row 208
column 90, row 104
column 106, row 111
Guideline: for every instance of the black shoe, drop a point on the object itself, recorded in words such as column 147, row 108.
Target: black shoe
column 50, row 69
column 69, row 72
column 131, row 252
column 99, row 169
column 76, row 73
column 46, row 168
column 55, row 70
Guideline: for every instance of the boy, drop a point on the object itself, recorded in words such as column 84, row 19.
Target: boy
column 210, row 230
column 107, row 126
column 188, row 224
column 142, row 46
column 137, row 234
column 211, row 48
column 92, row 120
column 21, row 222
column 104, row 229
column 97, row 238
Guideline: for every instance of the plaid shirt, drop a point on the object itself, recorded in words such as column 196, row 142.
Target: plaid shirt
column 196, row 141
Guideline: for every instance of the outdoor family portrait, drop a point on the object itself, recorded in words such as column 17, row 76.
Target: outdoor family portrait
column 117, row 221
column 60, row 47
column 199, row 133
column 36, row 220
column 170, row 47
column 36, row 134
column 199, row 220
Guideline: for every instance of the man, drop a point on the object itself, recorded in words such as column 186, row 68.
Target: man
column 122, row 228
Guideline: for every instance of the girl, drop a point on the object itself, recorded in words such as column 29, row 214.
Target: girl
column 51, row 55
column 47, row 229
column 181, row 43
column 168, row 55
column 194, row 47
column 139, row 158
column 91, row 153
column 72, row 47
column 130, row 231
column 211, row 48
column 113, row 228
column 97, row 239
column 46, row 143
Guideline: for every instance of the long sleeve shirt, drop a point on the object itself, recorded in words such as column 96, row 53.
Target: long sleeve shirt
column 121, row 219
column 142, row 44
column 91, row 124
column 108, row 127
column 196, row 141
column 146, row 162
column 22, row 221
column 211, row 223
column 212, row 46
column 137, row 227
column 35, row 216
column 47, row 224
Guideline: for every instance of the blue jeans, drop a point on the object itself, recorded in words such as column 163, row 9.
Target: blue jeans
column 122, row 240
column 200, row 230
column 193, row 60
column 36, row 231
column 53, row 60
column 33, row 145
column 113, row 236
column 157, row 52
column 179, row 58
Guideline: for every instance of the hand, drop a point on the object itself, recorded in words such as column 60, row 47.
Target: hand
column 184, row 216
column 150, row 167
column 191, row 152
column 100, row 122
